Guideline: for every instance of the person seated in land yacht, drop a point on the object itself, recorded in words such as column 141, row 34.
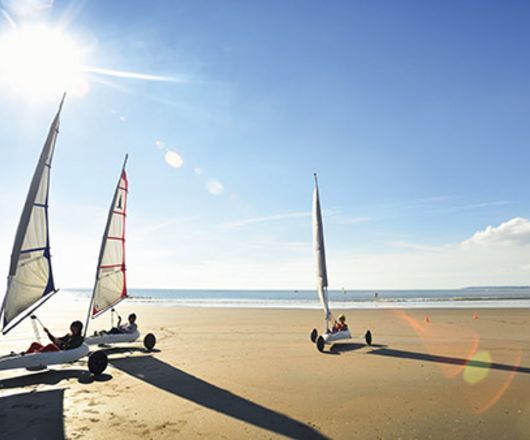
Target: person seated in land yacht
column 70, row 341
column 340, row 324
column 128, row 328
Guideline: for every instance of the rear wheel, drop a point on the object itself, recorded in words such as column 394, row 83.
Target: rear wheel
column 97, row 362
column 314, row 335
column 320, row 344
column 149, row 341
column 368, row 337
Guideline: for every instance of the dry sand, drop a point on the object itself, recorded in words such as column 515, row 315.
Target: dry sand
column 241, row 373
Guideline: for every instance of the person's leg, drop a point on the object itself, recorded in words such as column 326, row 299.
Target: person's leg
column 49, row 347
column 114, row 331
column 34, row 347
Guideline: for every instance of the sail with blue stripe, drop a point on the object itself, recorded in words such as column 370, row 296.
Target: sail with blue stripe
column 30, row 281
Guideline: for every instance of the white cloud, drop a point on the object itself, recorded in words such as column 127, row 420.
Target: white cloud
column 347, row 220
column 134, row 75
column 514, row 232
column 159, row 144
column 265, row 219
column 173, row 159
column 197, row 171
column 472, row 206
column 417, row 246
column 214, row 187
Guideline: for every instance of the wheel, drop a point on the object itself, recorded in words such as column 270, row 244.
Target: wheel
column 97, row 362
column 149, row 341
column 320, row 344
column 368, row 337
column 314, row 335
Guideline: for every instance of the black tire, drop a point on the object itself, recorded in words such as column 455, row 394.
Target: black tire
column 368, row 337
column 314, row 335
column 97, row 362
column 149, row 341
column 320, row 344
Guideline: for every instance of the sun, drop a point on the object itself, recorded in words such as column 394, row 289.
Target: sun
column 41, row 62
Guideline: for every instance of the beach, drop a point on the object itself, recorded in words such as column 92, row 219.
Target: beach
column 253, row 373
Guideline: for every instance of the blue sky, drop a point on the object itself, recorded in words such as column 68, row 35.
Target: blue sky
column 414, row 115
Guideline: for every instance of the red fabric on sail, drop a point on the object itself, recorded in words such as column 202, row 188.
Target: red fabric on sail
column 111, row 281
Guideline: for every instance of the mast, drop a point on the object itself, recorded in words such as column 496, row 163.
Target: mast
column 30, row 280
column 320, row 253
column 110, row 286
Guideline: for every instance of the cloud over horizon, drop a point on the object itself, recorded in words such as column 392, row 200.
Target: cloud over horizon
column 514, row 232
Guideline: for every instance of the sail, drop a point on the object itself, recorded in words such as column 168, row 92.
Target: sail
column 319, row 251
column 111, row 285
column 30, row 279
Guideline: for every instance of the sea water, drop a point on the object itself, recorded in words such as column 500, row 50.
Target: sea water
column 471, row 297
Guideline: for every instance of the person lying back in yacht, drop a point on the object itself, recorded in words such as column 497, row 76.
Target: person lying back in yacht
column 129, row 327
column 340, row 325
column 70, row 341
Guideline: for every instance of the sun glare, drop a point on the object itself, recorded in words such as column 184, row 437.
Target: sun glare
column 41, row 62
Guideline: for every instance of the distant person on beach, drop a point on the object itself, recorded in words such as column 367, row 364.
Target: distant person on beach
column 68, row 342
column 129, row 327
column 340, row 324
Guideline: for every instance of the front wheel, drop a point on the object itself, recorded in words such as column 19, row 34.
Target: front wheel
column 368, row 337
column 149, row 341
column 97, row 362
column 314, row 335
column 320, row 344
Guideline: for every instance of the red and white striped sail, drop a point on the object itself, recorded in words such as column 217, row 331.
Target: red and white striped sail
column 111, row 283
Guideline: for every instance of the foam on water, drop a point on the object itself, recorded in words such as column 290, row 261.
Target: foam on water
column 499, row 297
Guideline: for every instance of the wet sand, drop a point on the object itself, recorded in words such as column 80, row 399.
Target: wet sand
column 253, row 373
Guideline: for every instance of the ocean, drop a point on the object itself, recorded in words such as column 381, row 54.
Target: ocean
column 470, row 297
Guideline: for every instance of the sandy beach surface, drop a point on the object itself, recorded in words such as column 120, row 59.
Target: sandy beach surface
column 253, row 373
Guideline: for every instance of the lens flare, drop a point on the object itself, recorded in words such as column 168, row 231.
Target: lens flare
column 474, row 374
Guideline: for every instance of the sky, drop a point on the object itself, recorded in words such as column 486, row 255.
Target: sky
column 414, row 115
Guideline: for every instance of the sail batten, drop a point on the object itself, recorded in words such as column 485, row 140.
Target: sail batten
column 30, row 279
column 320, row 252
column 110, row 286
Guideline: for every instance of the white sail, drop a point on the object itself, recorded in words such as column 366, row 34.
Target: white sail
column 111, row 284
column 320, row 252
column 30, row 280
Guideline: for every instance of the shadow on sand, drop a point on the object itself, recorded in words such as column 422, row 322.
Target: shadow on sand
column 447, row 360
column 182, row 384
column 126, row 350
column 52, row 377
column 341, row 348
column 35, row 415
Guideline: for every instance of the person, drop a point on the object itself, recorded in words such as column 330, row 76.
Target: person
column 340, row 324
column 129, row 327
column 70, row 341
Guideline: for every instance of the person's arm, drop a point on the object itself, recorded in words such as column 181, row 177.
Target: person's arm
column 50, row 336
column 119, row 321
